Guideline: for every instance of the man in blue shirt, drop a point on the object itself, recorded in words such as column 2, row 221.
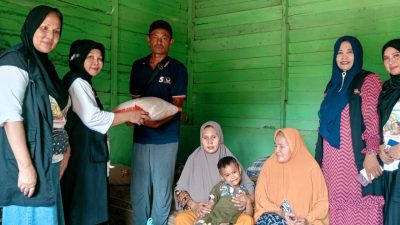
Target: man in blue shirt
column 156, row 142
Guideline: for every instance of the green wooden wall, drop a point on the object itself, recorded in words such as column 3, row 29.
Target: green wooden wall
column 254, row 65
column 131, row 26
column 258, row 65
column 314, row 26
column 236, row 56
column 122, row 26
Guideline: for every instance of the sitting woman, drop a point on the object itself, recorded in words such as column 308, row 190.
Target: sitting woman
column 291, row 188
column 201, row 173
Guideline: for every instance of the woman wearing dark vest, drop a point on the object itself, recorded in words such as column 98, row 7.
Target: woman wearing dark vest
column 389, row 112
column 349, row 137
column 84, row 184
column 33, row 102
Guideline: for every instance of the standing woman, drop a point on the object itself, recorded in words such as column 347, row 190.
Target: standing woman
column 30, row 93
column 349, row 137
column 389, row 112
column 85, row 184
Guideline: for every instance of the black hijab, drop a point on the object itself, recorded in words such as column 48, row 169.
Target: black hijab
column 391, row 89
column 77, row 56
column 53, row 83
column 78, row 52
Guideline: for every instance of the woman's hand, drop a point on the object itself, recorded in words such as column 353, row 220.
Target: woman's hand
column 394, row 152
column 27, row 178
column 371, row 166
column 301, row 221
column 64, row 161
column 138, row 117
column 199, row 208
column 130, row 117
column 384, row 156
column 292, row 219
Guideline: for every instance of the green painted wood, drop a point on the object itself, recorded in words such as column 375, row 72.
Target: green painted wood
column 114, row 54
column 235, row 75
column 239, row 64
column 240, row 17
column 271, row 85
column 134, row 18
column 236, row 68
column 259, row 97
column 254, row 65
column 249, row 52
column 302, row 97
column 249, row 144
column 121, row 25
column 232, row 42
column 284, row 64
column 208, row 8
column 314, row 27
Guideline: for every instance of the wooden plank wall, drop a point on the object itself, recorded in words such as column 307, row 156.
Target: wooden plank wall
column 254, row 65
column 241, row 79
column 314, row 26
column 236, row 70
column 122, row 26
column 134, row 20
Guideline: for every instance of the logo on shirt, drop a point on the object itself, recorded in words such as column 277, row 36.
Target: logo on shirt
column 165, row 80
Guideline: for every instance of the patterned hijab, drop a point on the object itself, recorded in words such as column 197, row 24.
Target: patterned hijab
column 391, row 89
column 200, row 173
column 336, row 93
column 53, row 83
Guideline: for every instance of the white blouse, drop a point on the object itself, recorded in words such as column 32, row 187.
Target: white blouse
column 13, row 83
column 85, row 106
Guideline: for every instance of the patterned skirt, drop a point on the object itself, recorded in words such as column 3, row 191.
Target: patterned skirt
column 271, row 219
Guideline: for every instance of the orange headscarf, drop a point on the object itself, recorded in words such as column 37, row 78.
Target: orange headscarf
column 299, row 181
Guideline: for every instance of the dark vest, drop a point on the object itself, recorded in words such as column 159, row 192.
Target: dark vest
column 357, row 128
column 38, row 123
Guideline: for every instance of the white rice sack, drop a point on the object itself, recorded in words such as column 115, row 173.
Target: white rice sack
column 157, row 108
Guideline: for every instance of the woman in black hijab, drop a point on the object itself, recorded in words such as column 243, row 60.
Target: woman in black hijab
column 389, row 112
column 30, row 91
column 85, row 184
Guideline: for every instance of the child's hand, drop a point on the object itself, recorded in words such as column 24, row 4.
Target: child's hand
column 240, row 201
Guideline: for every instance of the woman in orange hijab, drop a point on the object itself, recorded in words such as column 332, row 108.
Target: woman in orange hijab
column 291, row 187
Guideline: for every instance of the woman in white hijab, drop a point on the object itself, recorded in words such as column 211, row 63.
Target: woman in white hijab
column 200, row 174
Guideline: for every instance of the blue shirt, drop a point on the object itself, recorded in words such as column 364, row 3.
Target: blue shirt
column 170, row 82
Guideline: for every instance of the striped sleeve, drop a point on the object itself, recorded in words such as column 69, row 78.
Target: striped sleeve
column 370, row 91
